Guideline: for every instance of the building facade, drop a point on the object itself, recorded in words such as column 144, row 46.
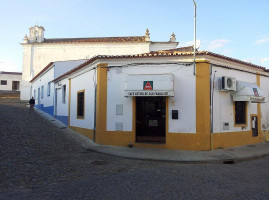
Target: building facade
column 46, row 93
column 162, row 100
column 10, row 81
column 38, row 51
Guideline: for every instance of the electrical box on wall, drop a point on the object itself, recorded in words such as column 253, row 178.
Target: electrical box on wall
column 119, row 109
column 174, row 114
column 225, row 125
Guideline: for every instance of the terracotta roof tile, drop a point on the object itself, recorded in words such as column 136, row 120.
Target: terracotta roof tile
column 13, row 73
column 168, row 53
column 97, row 39
column 43, row 70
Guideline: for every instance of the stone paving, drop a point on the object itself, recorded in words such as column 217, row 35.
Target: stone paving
column 37, row 161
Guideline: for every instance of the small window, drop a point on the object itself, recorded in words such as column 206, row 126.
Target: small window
column 48, row 89
column 64, row 93
column 80, row 103
column 240, row 113
column 34, row 94
column 42, row 92
column 3, row 82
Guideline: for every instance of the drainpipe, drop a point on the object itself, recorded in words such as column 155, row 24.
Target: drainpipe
column 212, row 88
column 194, row 46
column 95, row 97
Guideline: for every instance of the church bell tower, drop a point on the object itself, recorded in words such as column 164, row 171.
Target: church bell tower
column 36, row 35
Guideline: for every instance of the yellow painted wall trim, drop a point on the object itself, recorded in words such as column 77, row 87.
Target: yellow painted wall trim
column 258, row 81
column 202, row 60
column 246, row 116
column 118, row 138
column 81, row 117
column 101, row 102
column 83, row 131
column 134, row 120
column 230, row 139
column 203, row 104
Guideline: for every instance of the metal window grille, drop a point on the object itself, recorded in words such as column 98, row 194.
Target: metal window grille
column 80, row 106
column 240, row 112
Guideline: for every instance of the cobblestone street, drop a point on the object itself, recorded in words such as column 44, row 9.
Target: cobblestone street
column 37, row 161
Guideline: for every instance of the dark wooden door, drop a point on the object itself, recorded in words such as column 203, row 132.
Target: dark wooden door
column 15, row 85
column 150, row 119
column 254, row 124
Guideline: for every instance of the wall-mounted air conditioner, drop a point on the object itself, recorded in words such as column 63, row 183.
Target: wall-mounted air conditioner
column 227, row 83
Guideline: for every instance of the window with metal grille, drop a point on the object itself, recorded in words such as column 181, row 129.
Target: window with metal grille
column 80, row 104
column 240, row 112
column 3, row 82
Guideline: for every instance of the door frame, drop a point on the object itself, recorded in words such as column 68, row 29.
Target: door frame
column 166, row 117
column 254, row 115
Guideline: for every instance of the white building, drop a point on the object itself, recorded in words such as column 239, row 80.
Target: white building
column 160, row 100
column 10, row 81
column 47, row 95
column 134, row 91
column 39, row 51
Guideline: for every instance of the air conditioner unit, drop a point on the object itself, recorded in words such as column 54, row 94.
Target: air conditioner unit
column 228, row 83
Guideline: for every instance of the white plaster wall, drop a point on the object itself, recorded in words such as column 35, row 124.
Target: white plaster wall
column 223, row 103
column 184, row 100
column 9, row 78
column 26, row 73
column 265, row 106
column 115, row 95
column 39, row 55
column 155, row 46
column 83, row 82
column 62, row 108
column 63, row 67
column 43, row 80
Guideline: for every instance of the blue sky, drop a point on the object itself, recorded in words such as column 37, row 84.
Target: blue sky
column 239, row 29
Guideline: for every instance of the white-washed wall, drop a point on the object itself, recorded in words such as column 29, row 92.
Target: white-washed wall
column 265, row 106
column 65, row 66
column 83, row 82
column 9, row 78
column 184, row 99
column 223, row 110
column 46, row 103
column 60, row 105
column 39, row 55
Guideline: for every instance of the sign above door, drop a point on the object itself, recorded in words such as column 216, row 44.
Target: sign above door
column 149, row 85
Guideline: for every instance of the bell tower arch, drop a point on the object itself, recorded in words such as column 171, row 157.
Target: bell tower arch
column 36, row 34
